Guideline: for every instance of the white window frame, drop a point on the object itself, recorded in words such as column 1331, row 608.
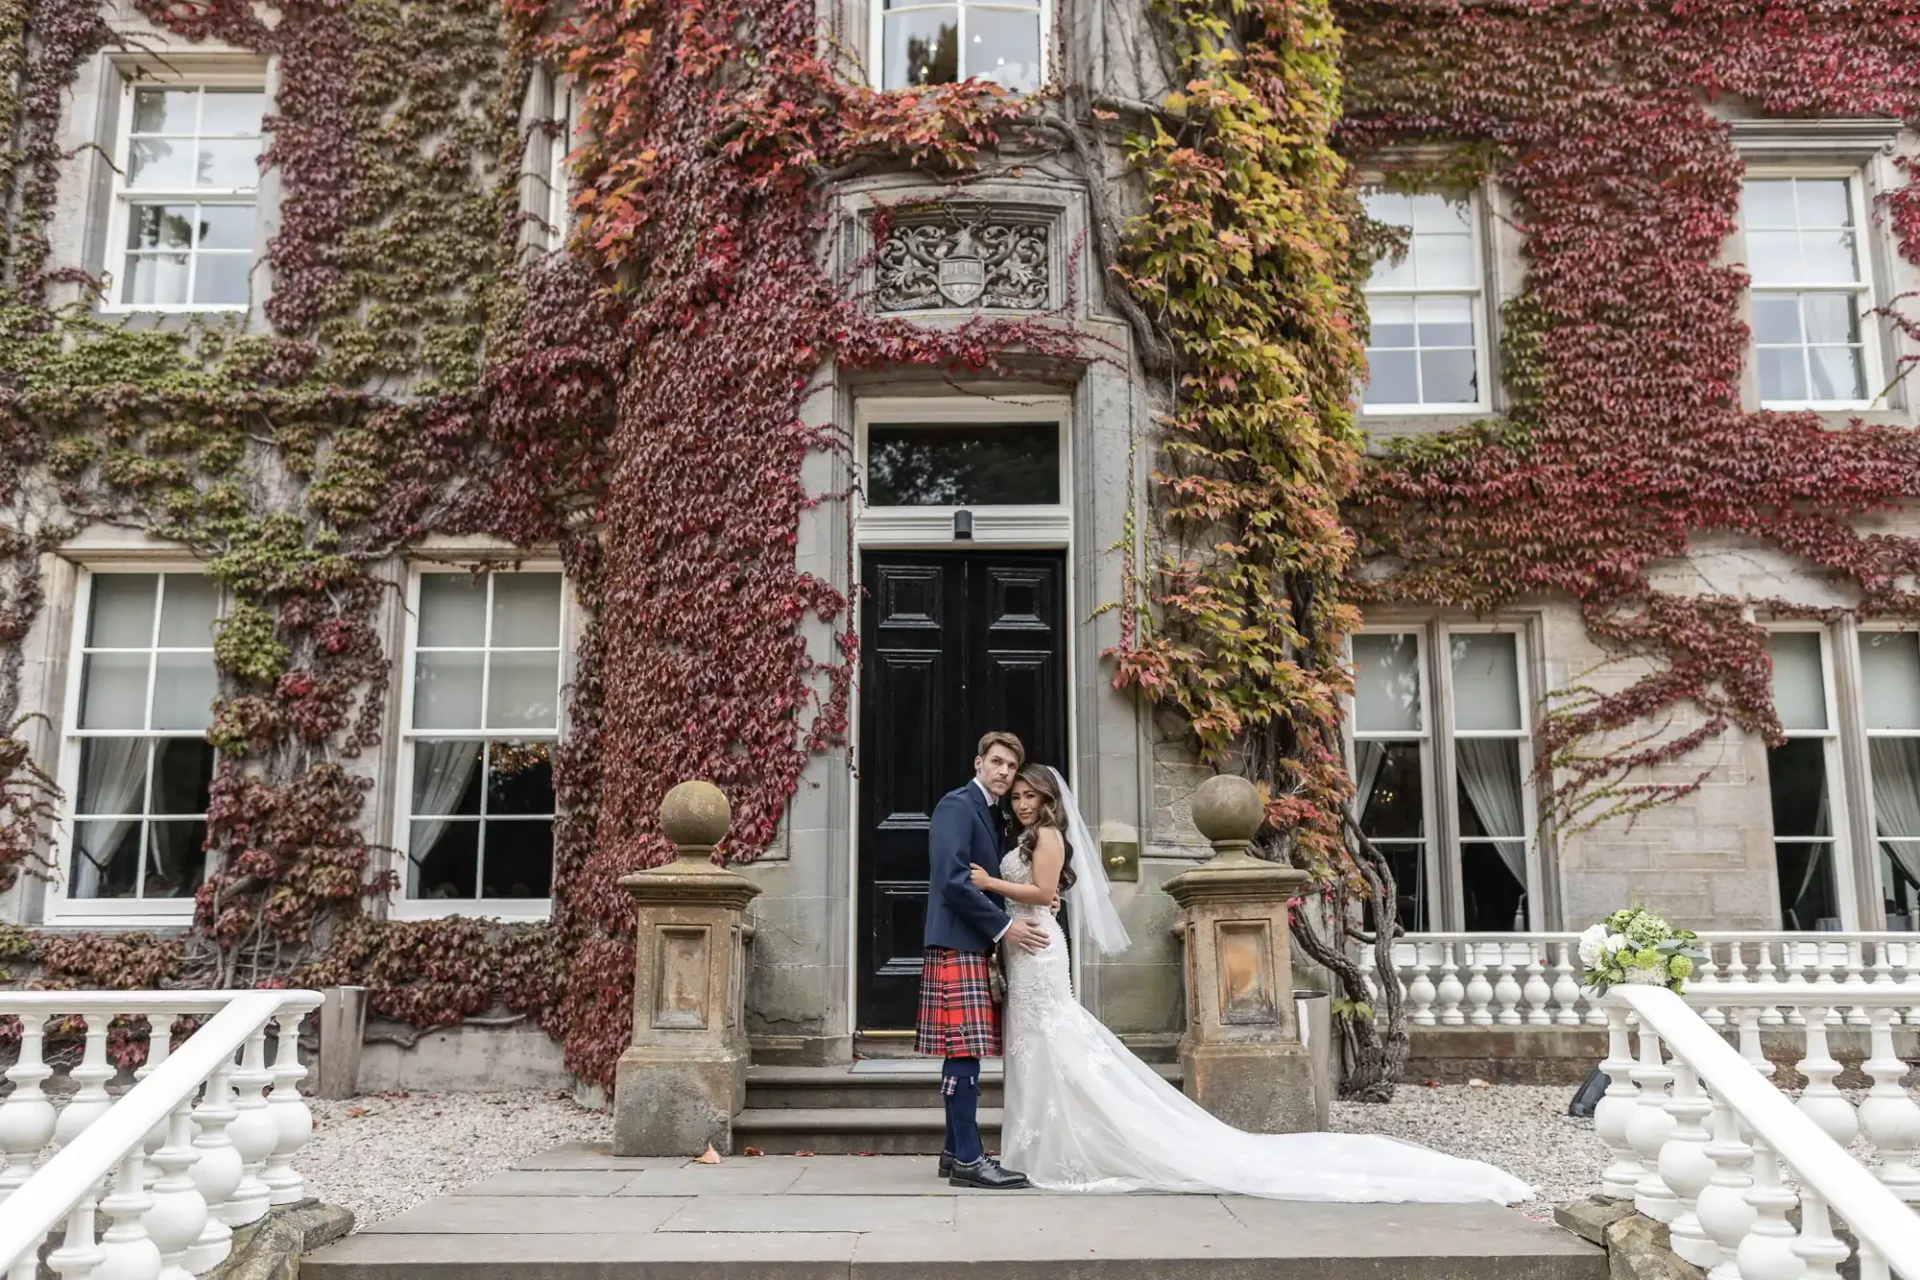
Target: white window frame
column 1870, row 329
column 1444, row 867
column 400, row 905
column 1871, row 819
column 61, row 908
column 1002, row 526
column 1841, row 837
column 877, row 35
column 1477, row 300
column 244, row 75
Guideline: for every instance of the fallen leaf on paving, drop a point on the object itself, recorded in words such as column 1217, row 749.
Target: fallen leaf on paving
column 803, row 1153
column 711, row 1157
column 1477, row 1083
column 863, row 1153
column 356, row 1112
column 753, row 1151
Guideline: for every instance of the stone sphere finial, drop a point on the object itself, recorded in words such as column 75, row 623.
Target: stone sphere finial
column 695, row 814
column 1227, row 809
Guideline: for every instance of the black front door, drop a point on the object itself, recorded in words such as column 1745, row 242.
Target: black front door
column 953, row 644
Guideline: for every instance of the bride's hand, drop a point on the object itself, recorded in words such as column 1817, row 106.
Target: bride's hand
column 978, row 874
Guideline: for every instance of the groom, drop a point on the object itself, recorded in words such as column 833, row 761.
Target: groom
column 958, row 1019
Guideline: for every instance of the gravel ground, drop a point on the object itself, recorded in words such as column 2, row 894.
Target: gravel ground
column 381, row 1155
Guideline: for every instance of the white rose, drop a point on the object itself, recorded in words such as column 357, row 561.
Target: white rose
column 1590, row 943
column 1617, row 942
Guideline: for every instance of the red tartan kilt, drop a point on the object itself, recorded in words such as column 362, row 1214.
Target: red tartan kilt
column 958, row 1018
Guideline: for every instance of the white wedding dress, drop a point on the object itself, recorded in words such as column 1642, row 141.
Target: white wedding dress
column 1083, row 1114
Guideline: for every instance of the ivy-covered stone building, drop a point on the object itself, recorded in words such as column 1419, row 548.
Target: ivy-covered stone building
column 435, row 429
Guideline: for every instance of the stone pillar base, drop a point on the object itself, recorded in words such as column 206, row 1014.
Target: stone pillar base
column 668, row 1103
column 1257, row 1088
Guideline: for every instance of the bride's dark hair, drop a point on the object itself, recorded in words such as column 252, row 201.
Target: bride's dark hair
column 1052, row 814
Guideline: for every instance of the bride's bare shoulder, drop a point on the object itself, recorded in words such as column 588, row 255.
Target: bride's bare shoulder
column 1048, row 840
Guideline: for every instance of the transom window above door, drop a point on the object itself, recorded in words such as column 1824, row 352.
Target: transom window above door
column 963, row 464
column 1001, row 41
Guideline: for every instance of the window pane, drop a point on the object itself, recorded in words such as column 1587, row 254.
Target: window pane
column 443, row 859
column 453, row 610
column 446, row 691
column 1443, row 262
column 113, row 777
column 182, row 776
column 1807, row 897
column 113, row 691
column 106, row 860
column 161, row 226
column 1799, row 691
column 1773, row 257
column 227, row 163
column 1386, row 683
column 184, row 687
column 1823, row 202
column 1495, row 897
column 226, row 226
column 526, row 610
column 164, row 110
column 1776, row 318
column 1409, row 864
column 159, row 164
column 220, row 279
column 1783, row 375
column 1890, row 678
column 1004, row 48
column 1445, row 322
column 176, row 859
column 1837, row 373
column 1393, row 807
column 1797, row 784
column 960, row 466
column 1392, row 378
column 1447, row 377
column 232, row 111
column 1486, row 682
column 120, row 615
column 922, row 48
column 158, row 280
column 1390, row 322
column 1437, row 213
column 519, row 861
column 1830, row 257
column 1389, row 206
column 188, row 606
column 1491, row 788
column 520, row 778
column 522, row 691
column 446, row 778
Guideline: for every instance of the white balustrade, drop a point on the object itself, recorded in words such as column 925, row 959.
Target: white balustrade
column 175, row 1162
column 1727, row 1190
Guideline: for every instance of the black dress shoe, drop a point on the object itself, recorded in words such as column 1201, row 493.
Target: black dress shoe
column 986, row 1174
column 946, row 1164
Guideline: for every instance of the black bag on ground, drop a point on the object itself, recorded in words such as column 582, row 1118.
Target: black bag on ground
column 1588, row 1095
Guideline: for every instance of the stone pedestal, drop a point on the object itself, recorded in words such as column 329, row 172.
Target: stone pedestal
column 684, row 1077
column 1241, row 1054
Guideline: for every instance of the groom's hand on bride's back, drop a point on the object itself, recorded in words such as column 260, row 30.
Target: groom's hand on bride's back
column 1027, row 936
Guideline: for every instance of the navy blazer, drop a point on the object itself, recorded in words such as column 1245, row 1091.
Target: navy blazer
column 962, row 832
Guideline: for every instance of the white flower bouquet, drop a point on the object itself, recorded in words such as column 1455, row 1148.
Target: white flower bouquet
column 1637, row 946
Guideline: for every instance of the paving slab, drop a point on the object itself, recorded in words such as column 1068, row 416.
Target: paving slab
column 735, row 1177
column 799, row 1214
column 814, row 1255
column 595, row 1155
column 546, row 1215
column 538, row 1183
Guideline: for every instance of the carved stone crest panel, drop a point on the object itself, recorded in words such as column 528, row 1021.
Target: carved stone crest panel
column 994, row 262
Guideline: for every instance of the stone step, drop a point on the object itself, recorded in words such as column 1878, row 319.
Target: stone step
column 579, row 1213
column 882, row 1085
column 847, row 1131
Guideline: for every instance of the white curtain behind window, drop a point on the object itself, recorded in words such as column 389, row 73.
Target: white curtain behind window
column 1490, row 773
column 1896, row 797
column 448, row 767
column 113, row 783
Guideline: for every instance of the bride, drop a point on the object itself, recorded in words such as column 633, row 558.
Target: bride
column 1083, row 1114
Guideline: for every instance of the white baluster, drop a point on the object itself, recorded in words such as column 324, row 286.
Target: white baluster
column 1794, row 958
column 1615, row 1108
column 26, row 1266
column 1506, row 988
column 1872, row 1265
column 293, row 1120
column 1888, row 1115
column 1724, row 1213
column 1763, row 973
column 1650, row 1128
column 1566, row 990
column 179, row 1212
column 1736, row 963
column 253, row 1133
column 90, row 1100
column 1882, row 964
column 1750, row 1046
column 1450, row 993
column 159, row 1045
column 1707, row 974
column 126, row 1251
column 1539, row 995
column 78, row 1255
column 1822, row 1103
column 27, row 1116
column 218, row 1170
column 1479, row 990
column 1856, row 972
column 1817, row 1246
column 1420, row 991
column 1685, row 1166
column 1767, row 1252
